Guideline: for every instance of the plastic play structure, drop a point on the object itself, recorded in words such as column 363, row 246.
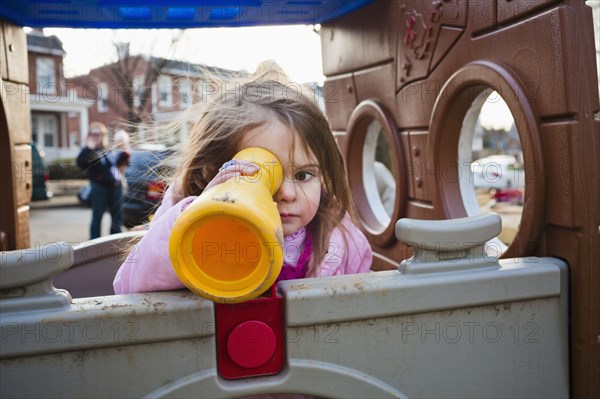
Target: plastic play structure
column 439, row 316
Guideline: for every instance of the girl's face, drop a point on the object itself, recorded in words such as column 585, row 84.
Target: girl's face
column 299, row 195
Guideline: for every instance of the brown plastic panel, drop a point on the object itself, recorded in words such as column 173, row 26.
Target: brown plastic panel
column 16, row 100
column 374, row 83
column 428, row 31
column 510, row 9
column 446, row 39
column 22, row 231
column 558, row 153
column 14, row 139
column 420, row 210
column 410, row 170
column 340, row 99
column 381, row 262
column 341, row 140
column 15, row 44
column 372, row 44
column 8, row 210
column 420, row 165
column 535, row 57
column 482, row 15
column 3, row 65
column 22, row 169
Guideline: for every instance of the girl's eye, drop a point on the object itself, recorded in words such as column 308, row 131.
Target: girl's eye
column 303, row 175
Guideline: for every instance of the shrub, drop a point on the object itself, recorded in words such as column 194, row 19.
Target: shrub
column 64, row 169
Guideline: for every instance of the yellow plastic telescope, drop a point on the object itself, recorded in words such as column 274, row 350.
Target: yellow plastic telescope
column 227, row 246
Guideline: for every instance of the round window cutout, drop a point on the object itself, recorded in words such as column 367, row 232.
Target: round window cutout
column 379, row 175
column 492, row 175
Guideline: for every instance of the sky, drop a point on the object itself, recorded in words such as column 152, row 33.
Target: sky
column 296, row 48
column 495, row 114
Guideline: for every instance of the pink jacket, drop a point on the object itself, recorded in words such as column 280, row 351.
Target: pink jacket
column 148, row 266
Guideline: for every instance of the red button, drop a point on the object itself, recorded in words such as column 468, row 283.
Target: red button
column 251, row 344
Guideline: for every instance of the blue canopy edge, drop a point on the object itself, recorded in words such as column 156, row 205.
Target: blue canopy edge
column 118, row 14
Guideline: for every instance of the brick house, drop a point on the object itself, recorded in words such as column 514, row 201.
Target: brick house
column 52, row 102
column 138, row 90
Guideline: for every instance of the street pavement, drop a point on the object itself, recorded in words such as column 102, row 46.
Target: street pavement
column 61, row 218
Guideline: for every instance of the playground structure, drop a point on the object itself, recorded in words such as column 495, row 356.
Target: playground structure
column 451, row 321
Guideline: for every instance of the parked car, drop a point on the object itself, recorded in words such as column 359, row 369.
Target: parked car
column 145, row 186
column 39, row 176
column 497, row 171
column 511, row 195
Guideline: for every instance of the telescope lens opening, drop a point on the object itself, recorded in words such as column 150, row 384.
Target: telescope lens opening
column 226, row 249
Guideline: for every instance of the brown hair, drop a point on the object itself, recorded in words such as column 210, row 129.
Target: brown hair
column 216, row 135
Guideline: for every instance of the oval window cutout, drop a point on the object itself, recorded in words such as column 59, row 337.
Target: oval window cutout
column 379, row 175
column 375, row 171
column 492, row 177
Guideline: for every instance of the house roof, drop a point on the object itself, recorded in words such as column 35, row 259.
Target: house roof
column 168, row 14
column 38, row 43
column 178, row 68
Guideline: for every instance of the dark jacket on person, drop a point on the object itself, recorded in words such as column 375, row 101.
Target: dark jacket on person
column 100, row 166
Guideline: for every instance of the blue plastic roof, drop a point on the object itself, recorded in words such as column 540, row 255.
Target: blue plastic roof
column 172, row 13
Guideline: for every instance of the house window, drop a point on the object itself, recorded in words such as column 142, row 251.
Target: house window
column 44, row 130
column 138, row 87
column 48, row 140
column 73, row 139
column 154, row 97
column 45, row 75
column 49, row 130
column 185, row 93
column 102, row 97
column 165, row 98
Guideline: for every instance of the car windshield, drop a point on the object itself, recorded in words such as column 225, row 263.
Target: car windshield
column 144, row 165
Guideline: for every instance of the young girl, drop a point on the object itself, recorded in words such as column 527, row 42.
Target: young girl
column 314, row 200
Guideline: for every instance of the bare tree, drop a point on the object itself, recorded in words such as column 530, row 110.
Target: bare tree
column 129, row 97
column 134, row 94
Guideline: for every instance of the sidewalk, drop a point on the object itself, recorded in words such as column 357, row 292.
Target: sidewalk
column 61, row 201
column 64, row 194
column 65, row 187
